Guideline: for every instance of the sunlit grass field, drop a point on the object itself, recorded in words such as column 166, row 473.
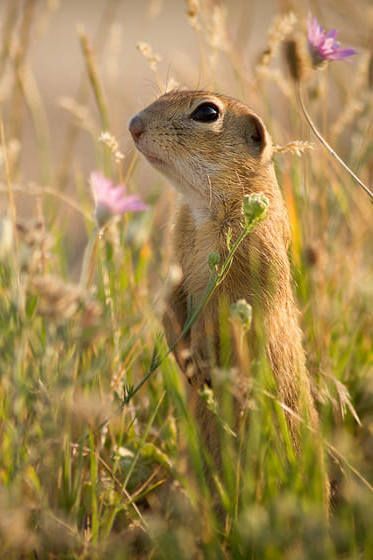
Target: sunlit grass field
column 100, row 456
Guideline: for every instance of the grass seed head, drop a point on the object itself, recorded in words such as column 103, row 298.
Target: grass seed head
column 296, row 57
column 150, row 56
column 297, row 147
column 281, row 27
column 111, row 142
column 61, row 301
column 35, row 244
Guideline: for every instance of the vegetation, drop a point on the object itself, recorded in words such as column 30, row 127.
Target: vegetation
column 99, row 453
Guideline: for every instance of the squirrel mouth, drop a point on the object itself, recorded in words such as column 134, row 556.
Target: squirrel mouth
column 154, row 159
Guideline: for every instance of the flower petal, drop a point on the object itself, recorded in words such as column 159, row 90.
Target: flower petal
column 341, row 54
column 323, row 44
column 111, row 199
column 131, row 204
column 332, row 34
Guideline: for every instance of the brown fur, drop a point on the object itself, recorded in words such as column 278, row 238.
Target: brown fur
column 213, row 165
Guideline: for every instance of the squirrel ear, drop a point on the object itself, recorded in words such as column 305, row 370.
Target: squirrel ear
column 256, row 135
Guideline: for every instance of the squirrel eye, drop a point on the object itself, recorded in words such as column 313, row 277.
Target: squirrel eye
column 206, row 113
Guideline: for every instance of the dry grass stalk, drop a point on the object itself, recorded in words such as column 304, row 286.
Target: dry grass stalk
column 193, row 11
column 34, row 246
column 150, row 56
column 33, row 101
column 112, row 57
column 6, row 237
column 9, row 182
column 216, row 28
column 35, row 190
column 276, row 76
column 171, row 84
column 358, row 98
column 10, row 22
column 81, row 113
column 351, row 110
column 297, row 147
column 9, row 153
column 61, row 301
column 6, row 85
column 212, row 20
column 281, row 27
column 327, row 146
column 21, row 46
column 91, row 66
column 112, row 144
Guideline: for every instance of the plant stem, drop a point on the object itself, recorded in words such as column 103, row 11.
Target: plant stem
column 94, row 79
column 327, row 146
column 215, row 280
column 98, row 92
column 89, row 261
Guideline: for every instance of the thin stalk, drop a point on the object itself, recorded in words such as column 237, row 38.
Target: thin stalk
column 94, row 79
column 9, row 25
column 337, row 455
column 73, row 131
column 89, row 261
column 215, row 280
column 33, row 101
column 98, row 92
column 19, row 58
column 9, row 184
column 142, row 442
column 327, row 146
column 34, row 190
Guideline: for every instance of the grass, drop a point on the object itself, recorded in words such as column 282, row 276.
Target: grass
column 90, row 468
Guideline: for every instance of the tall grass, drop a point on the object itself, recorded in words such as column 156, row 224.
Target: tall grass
column 90, row 468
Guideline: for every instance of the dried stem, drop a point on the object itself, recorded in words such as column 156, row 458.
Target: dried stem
column 326, row 145
column 73, row 130
column 34, row 190
column 94, row 79
column 89, row 261
column 9, row 184
column 9, row 25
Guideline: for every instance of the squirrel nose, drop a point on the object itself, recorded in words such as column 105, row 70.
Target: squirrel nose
column 136, row 127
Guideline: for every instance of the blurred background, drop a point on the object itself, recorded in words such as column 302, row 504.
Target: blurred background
column 139, row 49
column 43, row 38
column 70, row 70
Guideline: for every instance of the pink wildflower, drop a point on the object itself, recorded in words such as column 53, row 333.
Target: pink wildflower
column 323, row 45
column 111, row 199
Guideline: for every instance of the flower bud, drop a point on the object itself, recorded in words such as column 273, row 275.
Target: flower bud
column 242, row 311
column 213, row 261
column 254, row 208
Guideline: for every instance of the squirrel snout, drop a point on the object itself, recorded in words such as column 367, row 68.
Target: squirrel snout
column 136, row 127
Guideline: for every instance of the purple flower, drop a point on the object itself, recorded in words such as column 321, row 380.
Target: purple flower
column 111, row 199
column 323, row 45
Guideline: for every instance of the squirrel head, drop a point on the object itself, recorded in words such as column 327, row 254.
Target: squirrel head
column 210, row 146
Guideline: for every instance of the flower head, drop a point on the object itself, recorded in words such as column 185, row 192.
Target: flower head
column 243, row 312
column 111, row 199
column 255, row 207
column 323, row 45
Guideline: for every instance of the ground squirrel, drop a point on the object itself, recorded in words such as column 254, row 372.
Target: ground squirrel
column 214, row 150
